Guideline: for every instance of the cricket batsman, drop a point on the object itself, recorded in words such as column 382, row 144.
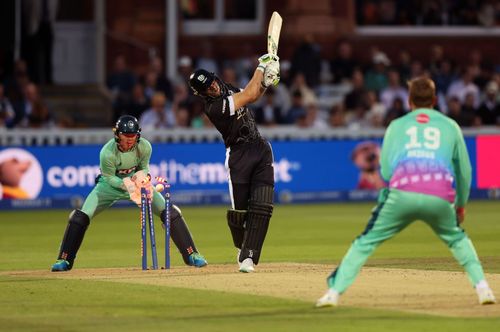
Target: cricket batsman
column 124, row 163
column 425, row 161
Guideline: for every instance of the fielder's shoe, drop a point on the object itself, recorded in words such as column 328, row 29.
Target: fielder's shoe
column 61, row 265
column 197, row 260
column 330, row 299
column 485, row 295
column 247, row 266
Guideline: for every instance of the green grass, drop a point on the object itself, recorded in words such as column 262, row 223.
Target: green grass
column 299, row 233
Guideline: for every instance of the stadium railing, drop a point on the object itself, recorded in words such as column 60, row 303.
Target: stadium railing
column 50, row 137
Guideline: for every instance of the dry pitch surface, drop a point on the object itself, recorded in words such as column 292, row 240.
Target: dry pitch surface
column 429, row 292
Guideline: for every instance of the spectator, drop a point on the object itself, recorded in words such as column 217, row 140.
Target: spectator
column 245, row 64
column 455, row 111
column 137, row 105
column 181, row 96
column 480, row 70
column 463, row 86
column 469, row 117
column 397, row 110
column 7, row 113
column 229, row 75
column 14, row 85
column 437, row 57
column 182, row 116
column 120, row 82
column 376, row 111
column 404, row 65
column 198, row 117
column 376, row 77
column 417, row 69
column 354, row 98
column 184, row 69
column 206, row 58
column 163, row 84
column 32, row 112
column 489, row 110
column 356, row 119
column 393, row 90
column 337, row 116
column 150, row 85
column 268, row 114
column 297, row 110
column 282, row 97
column 343, row 65
column 159, row 115
column 313, row 118
column 444, row 76
column 300, row 84
column 306, row 60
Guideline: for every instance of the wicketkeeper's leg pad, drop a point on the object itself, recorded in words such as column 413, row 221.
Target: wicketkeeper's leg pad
column 260, row 210
column 236, row 220
column 179, row 232
column 73, row 236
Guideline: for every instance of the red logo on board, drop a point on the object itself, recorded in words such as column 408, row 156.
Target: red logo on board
column 422, row 118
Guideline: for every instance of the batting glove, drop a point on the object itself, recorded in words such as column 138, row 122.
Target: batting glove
column 271, row 74
column 266, row 59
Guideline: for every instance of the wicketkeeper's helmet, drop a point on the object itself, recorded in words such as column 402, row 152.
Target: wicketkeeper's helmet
column 127, row 124
column 200, row 81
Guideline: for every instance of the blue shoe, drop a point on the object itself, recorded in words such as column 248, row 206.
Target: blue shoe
column 195, row 259
column 61, row 265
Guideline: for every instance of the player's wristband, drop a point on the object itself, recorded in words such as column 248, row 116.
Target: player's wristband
column 262, row 68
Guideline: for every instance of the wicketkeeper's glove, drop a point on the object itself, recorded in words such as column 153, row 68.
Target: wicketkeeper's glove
column 143, row 180
column 265, row 60
column 133, row 191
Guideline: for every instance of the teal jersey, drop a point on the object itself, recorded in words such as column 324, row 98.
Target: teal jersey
column 424, row 152
column 116, row 165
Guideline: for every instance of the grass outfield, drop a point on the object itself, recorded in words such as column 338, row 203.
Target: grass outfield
column 308, row 234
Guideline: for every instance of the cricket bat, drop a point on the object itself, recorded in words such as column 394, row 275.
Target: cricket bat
column 273, row 33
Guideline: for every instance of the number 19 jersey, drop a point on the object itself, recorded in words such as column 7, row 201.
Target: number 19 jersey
column 424, row 152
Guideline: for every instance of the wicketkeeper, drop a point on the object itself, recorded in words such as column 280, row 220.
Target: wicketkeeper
column 124, row 163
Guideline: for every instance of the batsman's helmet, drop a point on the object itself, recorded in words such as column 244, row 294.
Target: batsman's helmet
column 127, row 124
column 200, row 81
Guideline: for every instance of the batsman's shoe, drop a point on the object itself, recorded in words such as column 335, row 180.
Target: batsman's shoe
column 238, row 258
column 61, row 265
column 485, row 295
column 330, row 299
column 247, row 266
column 197, row 260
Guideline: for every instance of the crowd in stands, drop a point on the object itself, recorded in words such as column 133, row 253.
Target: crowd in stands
column 365, row 95
column 428, row 12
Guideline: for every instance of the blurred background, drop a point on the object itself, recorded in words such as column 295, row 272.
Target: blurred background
column 69, row 69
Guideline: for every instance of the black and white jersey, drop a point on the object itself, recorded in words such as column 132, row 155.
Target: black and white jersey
column 237, row 126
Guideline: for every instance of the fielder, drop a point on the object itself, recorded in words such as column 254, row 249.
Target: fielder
column 425, row 161
column 249, row 157
column 124, row 163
